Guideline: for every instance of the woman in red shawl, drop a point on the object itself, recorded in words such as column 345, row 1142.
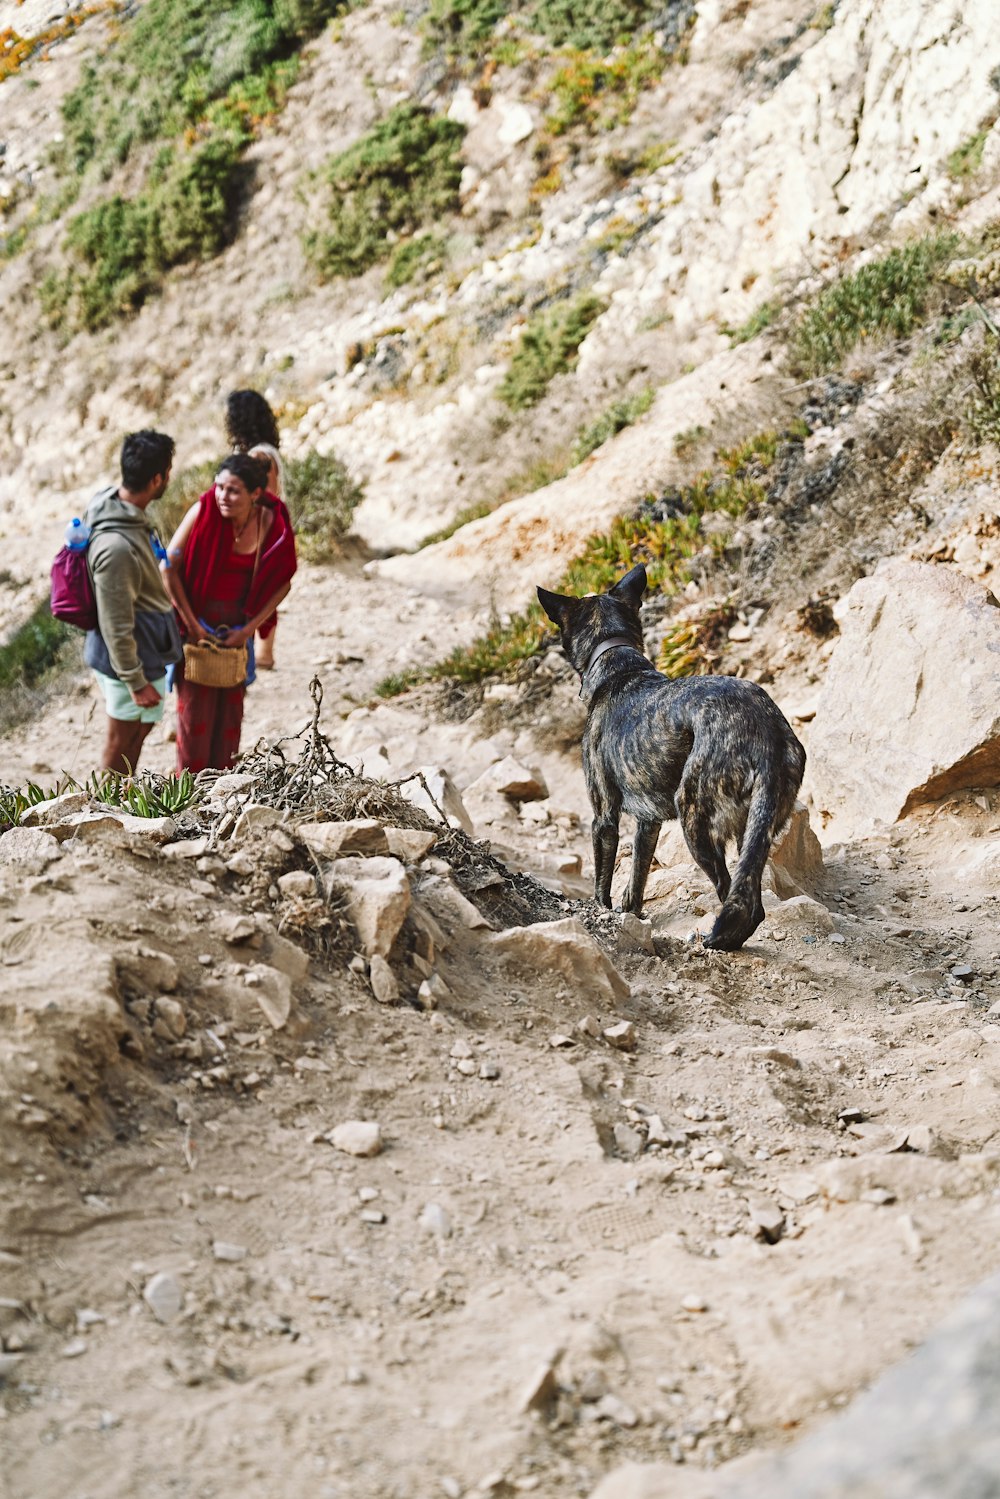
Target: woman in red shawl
column 229, row 565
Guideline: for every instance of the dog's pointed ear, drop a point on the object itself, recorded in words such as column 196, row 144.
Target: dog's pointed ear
column 556, row 605
column 631, row 588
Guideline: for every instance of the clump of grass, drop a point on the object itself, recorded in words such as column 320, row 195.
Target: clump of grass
column 548, row 348
column 687, row 440
column 403, row 174
column 887, row 298
column 617, row 417
column 146, row 793
column 965, row 161
column 758, row 320
column 467, row 28
column 641, row 162
column 321, row 497
column 690, row 647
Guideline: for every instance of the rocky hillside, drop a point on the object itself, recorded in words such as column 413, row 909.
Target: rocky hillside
column 348, row 1148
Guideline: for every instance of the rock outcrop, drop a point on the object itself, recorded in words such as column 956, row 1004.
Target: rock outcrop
column 910, row 709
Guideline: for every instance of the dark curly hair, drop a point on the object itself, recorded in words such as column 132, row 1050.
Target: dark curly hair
column 253, row 472
column 250, row 420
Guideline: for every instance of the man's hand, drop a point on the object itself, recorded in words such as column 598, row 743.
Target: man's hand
column 146, row 696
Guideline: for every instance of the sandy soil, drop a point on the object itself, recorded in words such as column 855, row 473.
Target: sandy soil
column 382, row 1327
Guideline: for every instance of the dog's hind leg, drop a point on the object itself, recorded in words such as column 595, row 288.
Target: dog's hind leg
column 604, row 832
column 706, row 848
column 643, row 849
column 743, row 909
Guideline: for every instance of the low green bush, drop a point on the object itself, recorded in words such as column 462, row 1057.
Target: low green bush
column 467, row 27
column 404, row 173
column 321, row 497
column 173, row 59
column 599, row 92
column 416, row 258
column 33, row 649
column 120, row 250
column 887, row 298
column 548, row 348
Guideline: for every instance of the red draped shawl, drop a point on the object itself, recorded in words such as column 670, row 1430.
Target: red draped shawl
column 210, row 545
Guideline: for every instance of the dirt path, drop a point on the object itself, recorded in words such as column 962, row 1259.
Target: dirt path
column 373, row 1328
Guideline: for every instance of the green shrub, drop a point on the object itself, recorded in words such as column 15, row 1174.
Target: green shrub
column 462, row 27
column 601, row 92
column 596, row 24
column 401, row 175
column 33, row 649
column 173, row 59
column 618, row 416
column 466, row 27
column 886, row 298
column 421, row 256
column 120, row 249
column 548, row 348
column 321, row 496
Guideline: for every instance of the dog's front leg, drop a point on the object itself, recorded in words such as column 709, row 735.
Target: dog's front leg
column 604, row 831
column 643, row 848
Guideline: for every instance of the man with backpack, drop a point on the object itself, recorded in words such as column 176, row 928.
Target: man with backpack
column 136, row 636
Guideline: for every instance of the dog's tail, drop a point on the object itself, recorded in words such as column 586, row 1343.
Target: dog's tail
column 771, row 802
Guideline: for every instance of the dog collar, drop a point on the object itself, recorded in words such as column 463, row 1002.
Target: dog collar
column 605, row 645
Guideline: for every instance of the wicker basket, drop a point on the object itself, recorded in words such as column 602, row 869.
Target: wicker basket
column 210, row 665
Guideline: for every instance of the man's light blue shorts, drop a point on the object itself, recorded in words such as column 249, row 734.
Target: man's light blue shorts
column 119, row 702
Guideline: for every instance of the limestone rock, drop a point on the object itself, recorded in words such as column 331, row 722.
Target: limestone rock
column 298, row 884
column 443, row 797
column 361, row 1137
column 148, row 968
column 255, row 818
column 28, row 850
column 383, row 981
column 909, row 711
column 55, row 809
column 273, row 992
column 409, row 844
column 508, row 777
column 796, row 858
column 378, row 898
column 163, row 1295
column 329, row 840
column 567, row 949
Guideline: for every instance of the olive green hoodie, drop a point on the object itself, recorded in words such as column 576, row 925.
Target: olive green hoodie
column 136, row 635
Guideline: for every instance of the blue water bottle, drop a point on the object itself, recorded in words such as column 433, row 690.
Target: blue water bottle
column 77, row 534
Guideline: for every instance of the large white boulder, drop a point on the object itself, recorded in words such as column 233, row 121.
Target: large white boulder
column 910, row 710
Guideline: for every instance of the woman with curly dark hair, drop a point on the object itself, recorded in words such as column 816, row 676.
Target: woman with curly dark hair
column 250, row 420
column 252, row 425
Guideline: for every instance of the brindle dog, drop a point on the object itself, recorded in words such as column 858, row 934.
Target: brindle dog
column 714, row 752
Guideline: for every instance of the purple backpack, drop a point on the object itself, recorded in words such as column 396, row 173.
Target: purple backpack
column 72, row 593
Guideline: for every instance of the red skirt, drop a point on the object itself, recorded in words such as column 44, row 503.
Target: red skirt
column 209, row 721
